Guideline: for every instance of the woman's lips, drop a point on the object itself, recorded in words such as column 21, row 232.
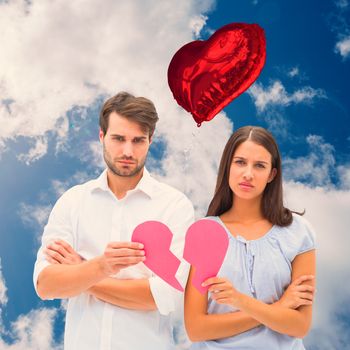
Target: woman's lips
column 246, row 186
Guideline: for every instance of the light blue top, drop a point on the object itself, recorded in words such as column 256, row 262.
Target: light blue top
column 261, row 268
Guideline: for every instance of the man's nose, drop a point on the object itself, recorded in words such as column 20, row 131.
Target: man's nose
column 128, row 150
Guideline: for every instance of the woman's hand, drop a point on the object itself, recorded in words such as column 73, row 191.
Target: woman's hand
column 297, row 293
column 222, row 291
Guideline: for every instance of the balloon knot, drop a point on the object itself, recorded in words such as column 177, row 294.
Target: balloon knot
column 199, row 124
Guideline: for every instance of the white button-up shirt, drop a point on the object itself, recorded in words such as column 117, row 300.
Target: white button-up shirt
column 88, row 217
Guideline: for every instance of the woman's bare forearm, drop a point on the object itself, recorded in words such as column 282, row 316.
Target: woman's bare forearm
column 217, row 326
column 281, row 319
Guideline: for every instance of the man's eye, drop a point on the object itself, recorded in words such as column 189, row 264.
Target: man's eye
column 138, row 140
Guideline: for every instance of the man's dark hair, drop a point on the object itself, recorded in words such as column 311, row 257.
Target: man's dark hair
column 137, row 109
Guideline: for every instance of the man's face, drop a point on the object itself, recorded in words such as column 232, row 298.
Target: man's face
column 125, row 146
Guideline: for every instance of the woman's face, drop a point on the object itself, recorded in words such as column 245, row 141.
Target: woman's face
column 250, row 170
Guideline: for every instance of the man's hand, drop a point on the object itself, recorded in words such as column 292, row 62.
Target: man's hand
column 60, row 252
column 117, row 255
column 297, row 293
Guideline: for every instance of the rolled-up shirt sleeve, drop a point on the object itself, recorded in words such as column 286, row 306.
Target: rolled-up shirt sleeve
column 59, row 226
column 181, row 216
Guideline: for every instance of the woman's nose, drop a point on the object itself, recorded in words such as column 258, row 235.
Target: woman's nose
column 248, row 174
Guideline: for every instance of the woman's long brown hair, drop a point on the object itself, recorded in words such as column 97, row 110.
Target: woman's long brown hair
column 272, row 201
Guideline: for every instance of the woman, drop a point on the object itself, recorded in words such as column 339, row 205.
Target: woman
column 264, row 299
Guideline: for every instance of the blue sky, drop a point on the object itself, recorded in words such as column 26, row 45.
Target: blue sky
column 59, row 63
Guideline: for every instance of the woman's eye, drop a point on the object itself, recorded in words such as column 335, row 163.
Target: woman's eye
column 239, row 162
column 261, row 166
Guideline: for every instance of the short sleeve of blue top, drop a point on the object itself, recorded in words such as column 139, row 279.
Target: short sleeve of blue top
column 261, row 268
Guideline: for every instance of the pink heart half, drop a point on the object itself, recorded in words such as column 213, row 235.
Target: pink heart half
column 156, row 238
column 205, row 249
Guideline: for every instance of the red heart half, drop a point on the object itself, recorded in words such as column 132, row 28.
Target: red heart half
column 205, row 76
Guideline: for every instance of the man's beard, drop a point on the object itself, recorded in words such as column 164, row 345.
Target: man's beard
column 122, row 172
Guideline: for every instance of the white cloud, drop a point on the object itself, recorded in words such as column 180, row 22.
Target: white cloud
column 342, row 4
column 192, row 152
column 95, row 156
column 294, row 72
column 33, row 331
column 61, row 130
column 327, row 208
column 36, row 152
column 338, row 22
column 3, row 299
column 57, row 56
column 197, row 23
column 58, row 187
column 316, row 168
column 344, row 176
column 343, row 47
column 328, row 212
column 276, row 95
column 2, row 147
column 34, row 215
column 3, row 290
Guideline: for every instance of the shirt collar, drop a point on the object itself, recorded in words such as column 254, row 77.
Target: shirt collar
column 145, row 185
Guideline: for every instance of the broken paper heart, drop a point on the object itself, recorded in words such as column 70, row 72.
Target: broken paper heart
column 206, row 244
column 156, row 238
column 205, row 76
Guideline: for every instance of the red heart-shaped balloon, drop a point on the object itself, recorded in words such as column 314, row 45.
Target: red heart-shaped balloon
column 205, row 76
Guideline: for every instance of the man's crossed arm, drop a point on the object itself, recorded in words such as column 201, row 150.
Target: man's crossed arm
column 69, row 275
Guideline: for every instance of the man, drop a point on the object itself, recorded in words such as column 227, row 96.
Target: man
column 115, row 302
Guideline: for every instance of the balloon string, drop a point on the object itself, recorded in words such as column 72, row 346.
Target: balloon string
column 186, row 167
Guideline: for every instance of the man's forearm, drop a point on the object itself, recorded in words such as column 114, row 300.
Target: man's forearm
column 65, row 281
column 129, row 294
